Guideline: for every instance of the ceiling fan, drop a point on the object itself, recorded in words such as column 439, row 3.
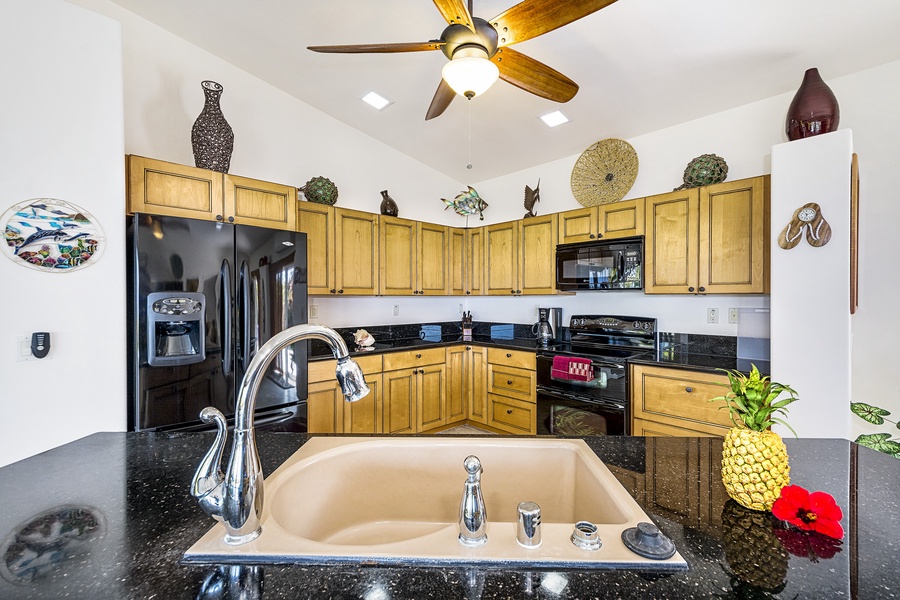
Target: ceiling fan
column 473, row 44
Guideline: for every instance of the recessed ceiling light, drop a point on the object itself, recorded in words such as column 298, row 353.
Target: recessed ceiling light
column 555, row 118
column 376, row 100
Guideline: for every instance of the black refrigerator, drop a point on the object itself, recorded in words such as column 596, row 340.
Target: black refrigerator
column 202, row 298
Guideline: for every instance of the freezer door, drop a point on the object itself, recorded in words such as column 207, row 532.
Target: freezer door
column 178, row 256
column 270, row 297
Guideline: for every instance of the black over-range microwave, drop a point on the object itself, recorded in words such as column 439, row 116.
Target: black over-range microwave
column 601, row 265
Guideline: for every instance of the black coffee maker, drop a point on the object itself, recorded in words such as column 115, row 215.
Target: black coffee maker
column 548, row 329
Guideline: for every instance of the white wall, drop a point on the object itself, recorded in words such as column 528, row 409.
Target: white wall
column 61, row 136
column 811, row 332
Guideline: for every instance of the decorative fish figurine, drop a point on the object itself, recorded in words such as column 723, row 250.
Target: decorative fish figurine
column 532, row 196
column 467, row 203
column 41, row 234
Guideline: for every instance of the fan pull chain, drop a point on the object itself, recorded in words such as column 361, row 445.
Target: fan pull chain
column 469, row 163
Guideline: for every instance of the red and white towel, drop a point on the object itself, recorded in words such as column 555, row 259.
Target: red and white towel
column 572, row 368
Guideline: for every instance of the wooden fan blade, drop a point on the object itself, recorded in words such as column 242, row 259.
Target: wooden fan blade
column 531, row 18
column 455, row 12
column 442, row 99
column 365, row 48
column 533, row 76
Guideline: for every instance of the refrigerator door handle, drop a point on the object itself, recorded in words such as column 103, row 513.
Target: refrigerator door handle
column 224, row 313
column 244, row 310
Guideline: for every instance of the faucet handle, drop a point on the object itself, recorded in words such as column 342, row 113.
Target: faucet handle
column 207, row 483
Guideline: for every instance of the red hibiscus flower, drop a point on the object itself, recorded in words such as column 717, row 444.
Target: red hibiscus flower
column 810, row 512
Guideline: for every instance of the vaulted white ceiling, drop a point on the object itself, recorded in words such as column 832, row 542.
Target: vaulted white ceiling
column 642, row 65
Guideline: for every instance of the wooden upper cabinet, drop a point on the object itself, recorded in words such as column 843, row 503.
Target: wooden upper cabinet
column 501, row 250
column 433, row 266
column 456, row 262
column 163, row 188
column 475, row 266
column 734, row 237
column 606, row 221
column 356, row 252
column 259, row 203
column 397, row 247
column 712, row 239
column 317, row 222
column 537, row 255
column 670, row 243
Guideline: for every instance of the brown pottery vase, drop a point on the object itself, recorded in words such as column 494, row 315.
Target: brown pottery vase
column 814, row 109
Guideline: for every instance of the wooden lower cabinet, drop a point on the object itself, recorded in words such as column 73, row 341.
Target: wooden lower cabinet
column 399, row 403
column 509, row 414
column 327, row 411
column 511, row 391
column 675, row 402
column 466, row 387
column 415, row 390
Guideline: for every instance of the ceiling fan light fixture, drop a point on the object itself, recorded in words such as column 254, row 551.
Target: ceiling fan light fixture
column 469, row 72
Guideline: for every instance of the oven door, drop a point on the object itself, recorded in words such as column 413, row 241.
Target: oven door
column 559, row 413
column 608, row 381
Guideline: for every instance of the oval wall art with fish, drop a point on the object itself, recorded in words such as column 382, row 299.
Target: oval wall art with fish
column 51, row 235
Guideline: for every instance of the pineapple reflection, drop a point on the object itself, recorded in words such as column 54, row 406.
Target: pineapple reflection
column 755, row 555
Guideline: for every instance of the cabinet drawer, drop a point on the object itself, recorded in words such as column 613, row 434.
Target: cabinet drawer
column 660, row 392
column 511, row 415
column 675, row 428
column 418, row 358
column 512, row 382
column 323, row 370
column 511, row 358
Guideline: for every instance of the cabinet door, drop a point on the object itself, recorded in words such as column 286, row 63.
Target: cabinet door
column 537, row 255
column 475, row 261
column 163, row 188
column 260, row 203
column 324, row 408
column 477, row 382
column 433, row 255
column 431, row 396
column 578, row 225
column 317, row 222
column 734, row 241
column 364, row 415
column 458, row 367
column 399, row 401
column 356, row 252
column 502, row 259
column 456, row 261
column 670, row 244
column 397, row 271
column 621, row 219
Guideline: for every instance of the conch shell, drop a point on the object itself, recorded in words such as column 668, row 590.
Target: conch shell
column 363, row 338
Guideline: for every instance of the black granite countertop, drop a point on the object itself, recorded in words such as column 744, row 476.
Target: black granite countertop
column 109, row 516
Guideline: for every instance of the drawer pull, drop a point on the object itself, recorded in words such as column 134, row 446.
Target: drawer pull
column 689, row 389
column 509, row 411
column 418, row 356
column 508, row 355
column 509, row 382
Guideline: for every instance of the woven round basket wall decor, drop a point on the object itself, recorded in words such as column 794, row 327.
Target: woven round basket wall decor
column 604, row 172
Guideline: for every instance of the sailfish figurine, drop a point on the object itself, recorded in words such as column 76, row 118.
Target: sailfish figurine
column 532, row 196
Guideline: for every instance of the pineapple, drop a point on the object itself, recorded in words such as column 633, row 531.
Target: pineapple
column 754, row 459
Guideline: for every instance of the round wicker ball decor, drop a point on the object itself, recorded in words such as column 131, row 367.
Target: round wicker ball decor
column 604, row 172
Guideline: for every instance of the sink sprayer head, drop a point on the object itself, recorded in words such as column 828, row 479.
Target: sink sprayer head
column 351, row 378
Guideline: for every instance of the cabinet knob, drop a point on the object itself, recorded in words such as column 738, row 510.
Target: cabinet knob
column 219, row 218
column 509, row 382
column 468, row 347
column 691, row 289
column 599, row 235
column 418, row 356
column 333, row 291
column 508, row 355
column 231, row 219
column 592, row 236
column 509, row 411
column 512, row 291
column 467, row 293
column 340, row 291
column 689, row 389
column 702, row 289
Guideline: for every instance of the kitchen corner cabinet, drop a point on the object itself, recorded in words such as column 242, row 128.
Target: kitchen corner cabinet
column 414, row 257
column 415, row 391
column 475, row 265
column 466, row 387
column 520, row 257
column 675, row 402
column 342, row 250
column 457, row 261
column 708, row 240
column 327, row 409
column 607, row 221
column 163, row 188
column 511, row 391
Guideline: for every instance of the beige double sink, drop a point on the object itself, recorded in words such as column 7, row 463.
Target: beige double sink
column 395, row 501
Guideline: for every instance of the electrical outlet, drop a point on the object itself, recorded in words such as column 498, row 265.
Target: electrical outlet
column 460, row 308
column 712, row 315
column 313, row 311
column 396, row 310
column 732, row 315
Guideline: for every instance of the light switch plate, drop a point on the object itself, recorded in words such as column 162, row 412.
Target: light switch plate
column 23, row 349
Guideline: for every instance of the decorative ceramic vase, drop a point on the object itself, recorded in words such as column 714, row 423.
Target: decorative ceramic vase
column 813, row 110
column 388, row 206
column 211, row 136
column 320, row 190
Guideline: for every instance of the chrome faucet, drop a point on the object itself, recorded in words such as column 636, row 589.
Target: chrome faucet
column 236, row 497
column 472, row 512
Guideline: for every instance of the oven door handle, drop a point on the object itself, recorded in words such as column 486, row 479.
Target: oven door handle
column 587, row 399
